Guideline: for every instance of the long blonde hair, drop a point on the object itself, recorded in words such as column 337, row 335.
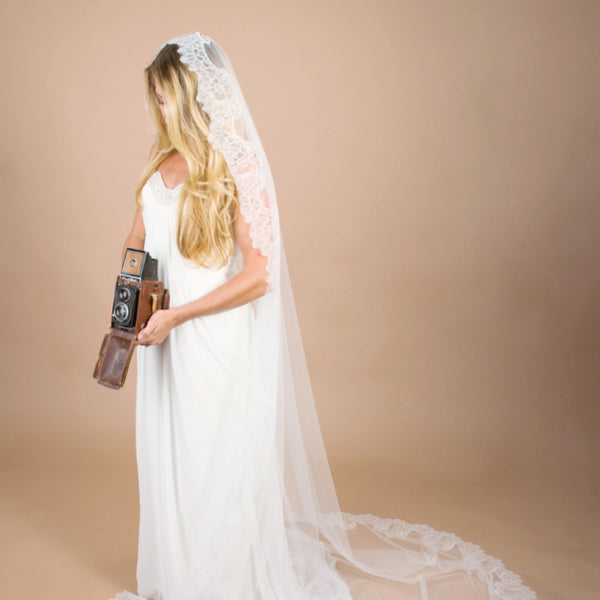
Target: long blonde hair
column 208, row 199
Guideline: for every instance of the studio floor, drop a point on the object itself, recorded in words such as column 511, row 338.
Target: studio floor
column 70, row 532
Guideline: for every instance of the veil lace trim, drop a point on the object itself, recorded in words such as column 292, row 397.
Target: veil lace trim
column 502, row 583
column 218, row 94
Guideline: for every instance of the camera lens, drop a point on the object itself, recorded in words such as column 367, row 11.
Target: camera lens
column 121, row 312
column 124, row 294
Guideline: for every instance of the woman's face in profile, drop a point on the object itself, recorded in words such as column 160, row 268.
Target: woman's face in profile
column 161, row 101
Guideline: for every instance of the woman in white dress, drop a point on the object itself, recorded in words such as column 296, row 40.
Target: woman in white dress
column 236, row 496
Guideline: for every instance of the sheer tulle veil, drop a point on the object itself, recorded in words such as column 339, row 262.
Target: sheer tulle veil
column 295, row 505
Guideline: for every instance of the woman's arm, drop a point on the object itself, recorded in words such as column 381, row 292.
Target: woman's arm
column 137, row 235
column 250, row 283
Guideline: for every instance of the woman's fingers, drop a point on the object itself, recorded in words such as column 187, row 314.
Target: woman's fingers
column 156, row 329
column 143, row 336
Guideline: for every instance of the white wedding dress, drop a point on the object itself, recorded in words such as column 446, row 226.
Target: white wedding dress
column 212, row 506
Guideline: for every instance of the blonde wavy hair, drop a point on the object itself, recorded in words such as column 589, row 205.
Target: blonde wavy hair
column 208, row 200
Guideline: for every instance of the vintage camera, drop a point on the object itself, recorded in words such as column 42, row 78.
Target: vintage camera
column 138, row 294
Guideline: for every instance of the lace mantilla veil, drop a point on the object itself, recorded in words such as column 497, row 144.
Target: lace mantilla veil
column 335, row 555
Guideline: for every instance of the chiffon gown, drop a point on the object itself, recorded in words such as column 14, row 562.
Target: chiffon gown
column 207, row 530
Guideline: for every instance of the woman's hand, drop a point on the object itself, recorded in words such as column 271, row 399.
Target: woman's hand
column 157, row 328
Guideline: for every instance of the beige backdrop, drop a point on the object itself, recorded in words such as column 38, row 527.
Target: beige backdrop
column 436, row 165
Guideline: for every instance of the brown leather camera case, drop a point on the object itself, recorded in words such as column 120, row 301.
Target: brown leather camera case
column 118, row 345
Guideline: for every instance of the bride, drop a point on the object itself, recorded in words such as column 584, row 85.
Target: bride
column 237, row 500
